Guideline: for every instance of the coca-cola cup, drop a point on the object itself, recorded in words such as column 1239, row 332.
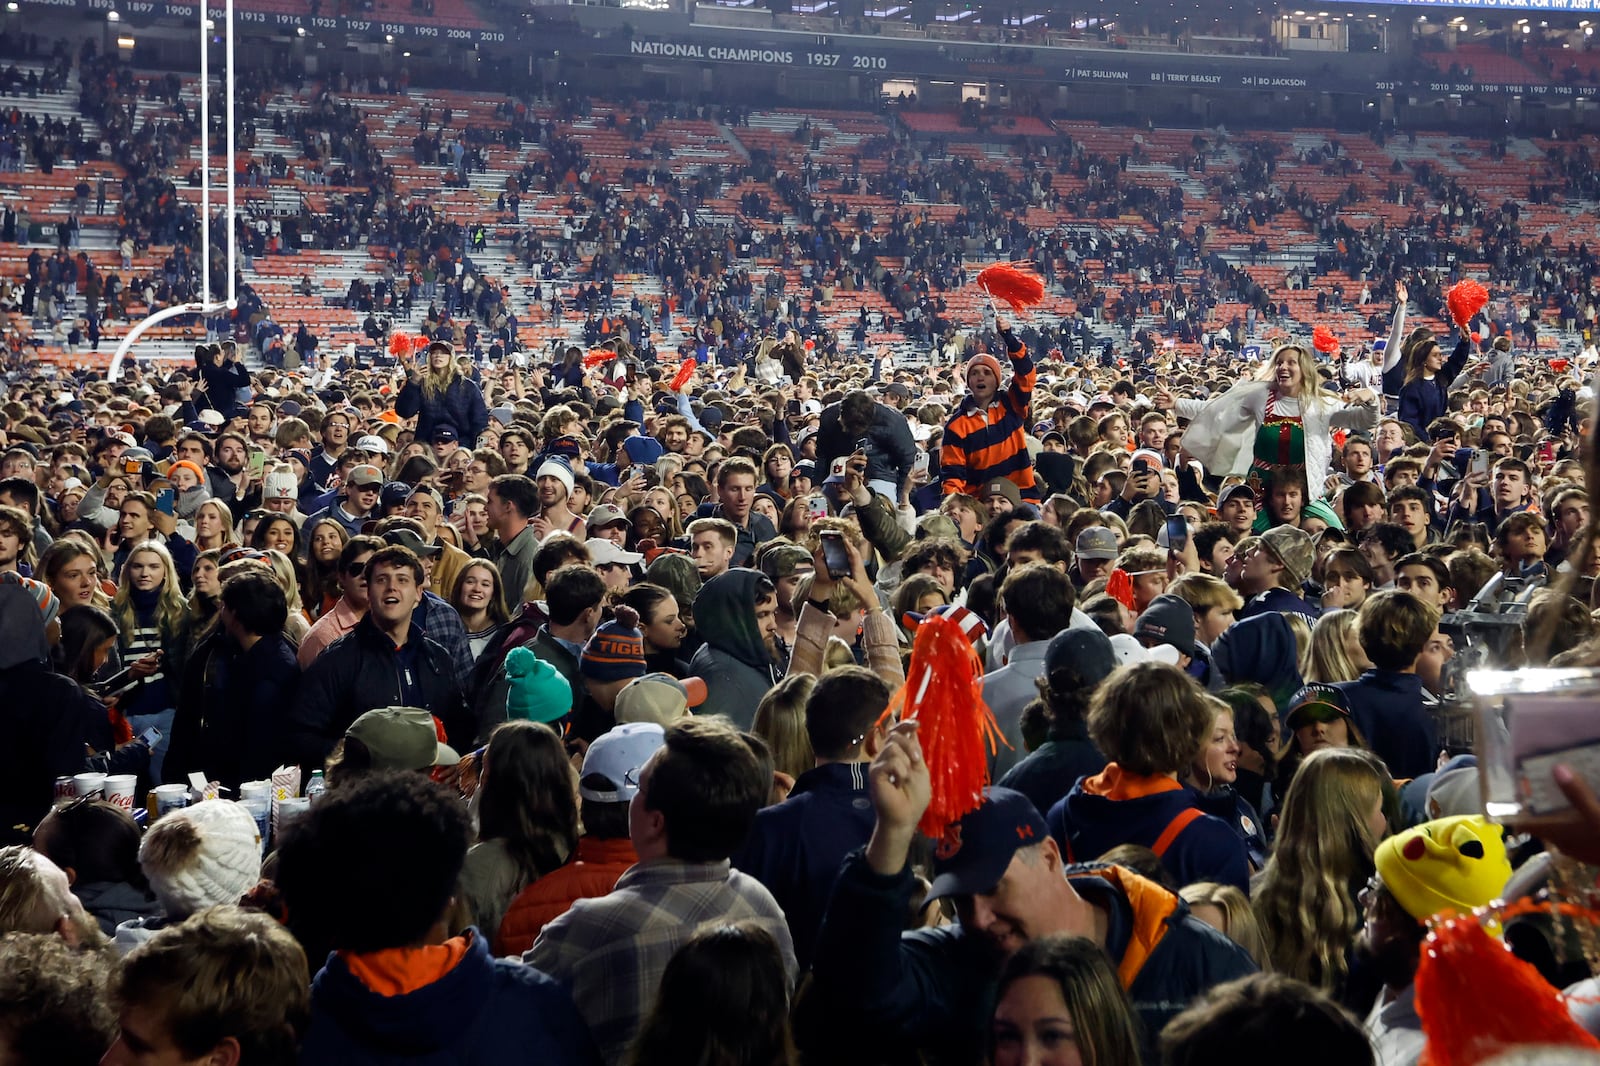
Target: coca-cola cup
column 122, row 790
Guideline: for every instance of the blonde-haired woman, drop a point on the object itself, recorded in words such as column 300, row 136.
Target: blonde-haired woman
column 1335, row 654
column 1227, row 910
column 152, row 637
column 442, row 396
column 781, row 722
column 1280, row 419
column 297, row 625
column 1330, row 824
column 213, row 526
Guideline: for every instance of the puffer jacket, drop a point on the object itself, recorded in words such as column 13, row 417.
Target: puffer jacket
column 734, row 661
column 460, row 407
column 361, row 671
column 593, row 872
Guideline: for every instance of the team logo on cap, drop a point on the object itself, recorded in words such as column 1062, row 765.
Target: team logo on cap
column 950, row 843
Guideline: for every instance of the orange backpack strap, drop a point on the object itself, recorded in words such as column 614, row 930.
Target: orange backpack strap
column 1174, row 827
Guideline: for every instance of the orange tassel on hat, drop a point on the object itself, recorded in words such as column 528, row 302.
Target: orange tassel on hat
column 944, row 692
column 1323, row 340
column 1119, row 586
column 685, row 372
column 1465, row 299
column 1476, row 999
column 1020, row 289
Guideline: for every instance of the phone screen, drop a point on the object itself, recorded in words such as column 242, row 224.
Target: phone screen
column 1177, row 533
column 834, row 554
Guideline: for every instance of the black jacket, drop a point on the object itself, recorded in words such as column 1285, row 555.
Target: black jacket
column 933, row 990
column 219, row 381
column 362, row 671
column 233, row 710
column 891, row 450
column 47, row 719
column 461, row 407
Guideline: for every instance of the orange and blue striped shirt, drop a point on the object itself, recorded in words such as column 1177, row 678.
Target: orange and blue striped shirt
column 981, row 444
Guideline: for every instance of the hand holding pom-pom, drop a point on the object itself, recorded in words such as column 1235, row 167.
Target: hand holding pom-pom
column 1020, row 289
column 1464, row 300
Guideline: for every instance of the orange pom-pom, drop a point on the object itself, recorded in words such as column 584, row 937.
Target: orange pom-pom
column 1465, row 299
column 399, row 344
column 1119, row 586
column 1339, row 437
column 419, row 342
column 1020, row 289
column 598, row 356
column 685, row 372
column 944, row 692
column 809, row 345
column 1476, row 999
column 1323, row 340
column 1560, row 365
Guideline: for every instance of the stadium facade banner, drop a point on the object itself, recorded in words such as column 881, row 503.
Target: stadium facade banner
column 880, row 57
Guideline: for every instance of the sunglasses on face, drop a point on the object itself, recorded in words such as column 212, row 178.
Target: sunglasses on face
column 356, row 569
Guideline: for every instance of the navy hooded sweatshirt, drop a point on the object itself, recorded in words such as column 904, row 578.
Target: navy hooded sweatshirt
column 1115, row 807
column 483, row 1011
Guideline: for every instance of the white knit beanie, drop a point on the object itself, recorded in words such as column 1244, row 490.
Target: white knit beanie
column 197, row 857
column 280, row 485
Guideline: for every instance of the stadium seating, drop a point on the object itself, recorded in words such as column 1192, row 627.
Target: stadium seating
column 1155, row 159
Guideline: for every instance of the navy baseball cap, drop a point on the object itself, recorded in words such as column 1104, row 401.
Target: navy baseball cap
column 973, row 855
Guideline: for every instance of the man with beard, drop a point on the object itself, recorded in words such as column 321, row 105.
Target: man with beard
column 555, row 483
column 227, row 477
column 1452, row 864
column 736, row 614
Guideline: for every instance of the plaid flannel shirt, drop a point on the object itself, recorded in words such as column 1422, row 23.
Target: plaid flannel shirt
column 612, row 951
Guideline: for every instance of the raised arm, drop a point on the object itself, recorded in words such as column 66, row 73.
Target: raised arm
column 1391, row 353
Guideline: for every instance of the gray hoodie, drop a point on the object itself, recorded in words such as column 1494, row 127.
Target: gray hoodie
column 734, row 661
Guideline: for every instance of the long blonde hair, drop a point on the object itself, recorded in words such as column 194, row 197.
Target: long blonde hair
column 1306, row 899
column 435, row 382
column 1310, row 381
column 224, row 515
column 1328, row 659
column 781, row 722
column 1238, row 920
column 172, row 610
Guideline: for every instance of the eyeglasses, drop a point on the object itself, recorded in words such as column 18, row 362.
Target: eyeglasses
column 356, row 569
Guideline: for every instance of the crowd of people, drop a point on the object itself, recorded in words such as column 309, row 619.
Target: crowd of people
column 593, row 668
